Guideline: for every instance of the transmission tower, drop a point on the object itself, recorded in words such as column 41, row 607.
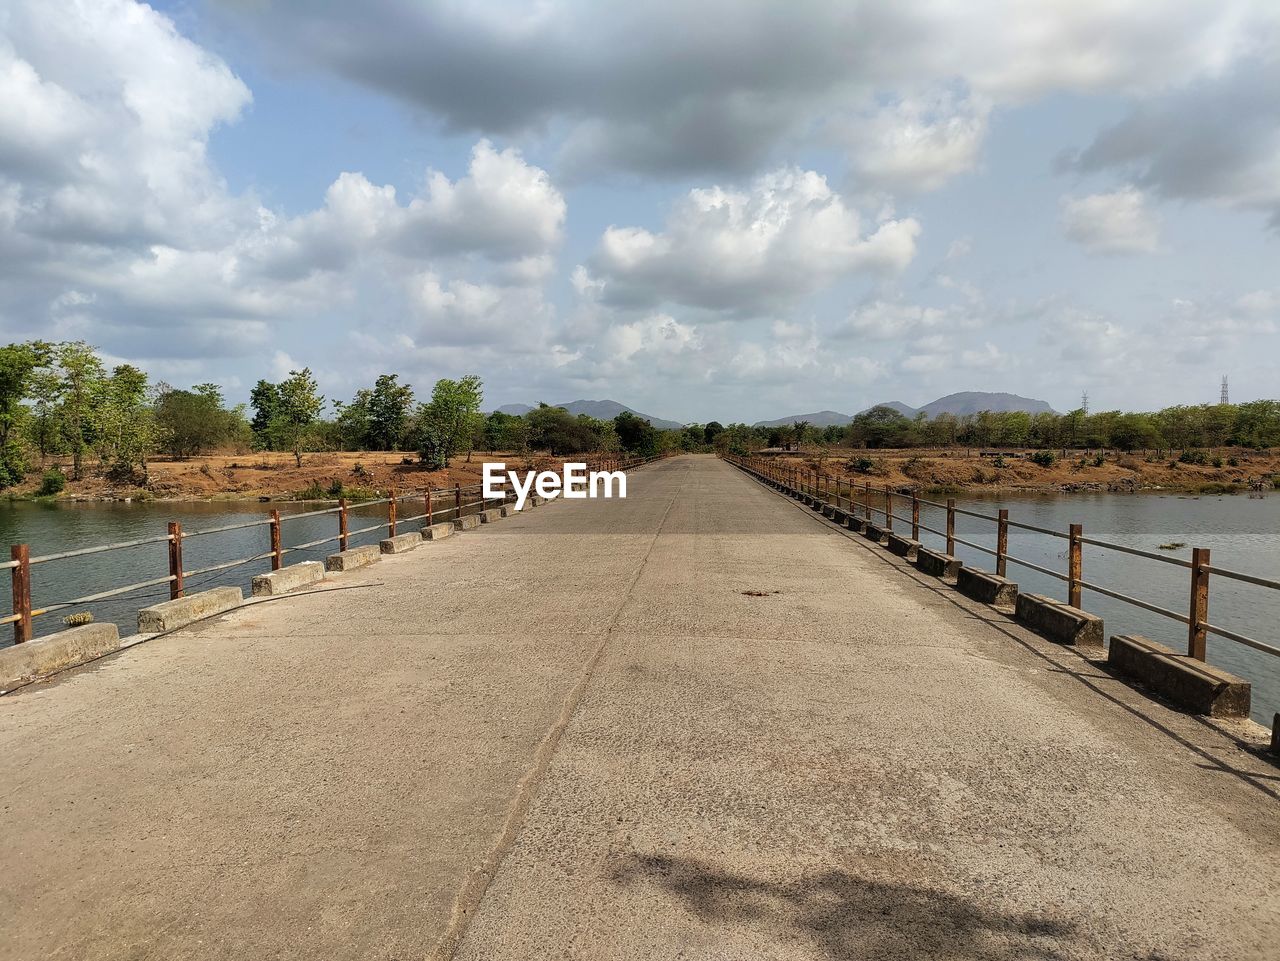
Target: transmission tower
column 1222, row 398
column 1084, row 401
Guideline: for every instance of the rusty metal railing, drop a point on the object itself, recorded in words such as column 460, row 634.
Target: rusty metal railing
column 439, row 505
column 840, row 493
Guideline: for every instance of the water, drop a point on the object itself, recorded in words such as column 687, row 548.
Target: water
column 53, row 528
column 1243, row 533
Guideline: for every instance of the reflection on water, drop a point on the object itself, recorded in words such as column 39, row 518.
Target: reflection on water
column 1242, row 532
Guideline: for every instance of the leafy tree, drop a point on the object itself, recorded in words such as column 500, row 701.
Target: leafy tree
column 19, row 365
column 298, row 408
column 124, row 423
column 389, row 406
column 449, row 420
column 635, row 434
column 192, row 421
column 264, row 398
column 82, row 379
column 711, row 430
column 554, row 429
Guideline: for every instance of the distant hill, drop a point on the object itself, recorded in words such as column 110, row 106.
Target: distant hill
column 821, row 418
column 965, row 402
column 599, row 409
column 973, row 401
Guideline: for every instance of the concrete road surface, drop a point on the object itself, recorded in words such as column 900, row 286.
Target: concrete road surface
column 699, row 723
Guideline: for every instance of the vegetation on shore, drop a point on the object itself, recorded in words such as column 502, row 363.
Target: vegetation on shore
column 69, row 426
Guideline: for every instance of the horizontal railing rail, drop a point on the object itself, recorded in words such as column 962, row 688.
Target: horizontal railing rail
column 878, row 502
column 443, row 504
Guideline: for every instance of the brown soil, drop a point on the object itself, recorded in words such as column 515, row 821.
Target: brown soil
column 255, row 476
column 971, row 470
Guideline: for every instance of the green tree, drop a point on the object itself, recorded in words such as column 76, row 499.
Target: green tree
column 635, row 434
column 124, row 423
column 298, row 408
column 447, row 423
column 389, row 406
column 264, row 398
column 711, row 430
column 19, row 367
column 189, row 422
column 82, row 380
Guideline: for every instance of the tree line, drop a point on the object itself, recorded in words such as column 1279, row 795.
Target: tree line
column 1251, row 425
column 62, row 400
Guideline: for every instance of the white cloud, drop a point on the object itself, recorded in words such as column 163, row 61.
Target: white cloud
column 1111, row 223
column 672, row 88
column 753, row 251
column 916, row 142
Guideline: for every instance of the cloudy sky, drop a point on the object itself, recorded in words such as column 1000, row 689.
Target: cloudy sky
column 730, row 210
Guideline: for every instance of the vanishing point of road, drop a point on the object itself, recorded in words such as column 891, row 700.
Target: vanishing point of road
column 696, row 723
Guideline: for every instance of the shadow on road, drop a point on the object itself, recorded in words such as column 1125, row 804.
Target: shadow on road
column 847, row 916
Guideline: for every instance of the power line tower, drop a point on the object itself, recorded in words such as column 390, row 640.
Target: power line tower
column 1222, row 398
column 1084, row 401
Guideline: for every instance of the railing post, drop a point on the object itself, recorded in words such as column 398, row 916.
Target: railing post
column 21, row 554
column 888, row 509
column 1075, row 564
column 915, row 516
column 342, row 523
column 951, row 526
column 457, row 501
column 427, row 521
column 276, row 552
column 1002, row 541
column 1199, row 614
column 867, row 505
column 391, row 515
column 175, row 560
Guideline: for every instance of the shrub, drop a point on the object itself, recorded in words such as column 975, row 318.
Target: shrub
column 1099, row 461
column 52, row 483
column 1197, row 457
column 1233, row 461
column 999, row 461
column 1044, row 458
column 863, row 465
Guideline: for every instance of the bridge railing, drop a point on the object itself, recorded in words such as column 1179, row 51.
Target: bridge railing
column 437, row 505
column 886, row 503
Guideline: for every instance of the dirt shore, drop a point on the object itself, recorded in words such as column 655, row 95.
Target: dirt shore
column 276, row 476
column 975, row 471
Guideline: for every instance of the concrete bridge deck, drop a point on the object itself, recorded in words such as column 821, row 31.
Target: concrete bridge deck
column 698, row 723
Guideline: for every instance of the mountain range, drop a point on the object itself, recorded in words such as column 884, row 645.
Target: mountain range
column 959, row 404
column 599, row 409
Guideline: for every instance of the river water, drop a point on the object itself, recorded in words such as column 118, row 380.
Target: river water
column 1243, row 533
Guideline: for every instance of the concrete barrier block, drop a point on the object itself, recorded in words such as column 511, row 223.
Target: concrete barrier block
column 987, row 588
column 857, row 524
column 537, row 500
column 1275, row 735
column 1199, row 687
column 1059, row 621
column 839, row 516
column 937, row 564
column 352, row 559
column 828, row 510
column 468, row 523
column 400, row 544
column 508, row 510
column 43, row 656
column 185, row 610
column 903, row 546
column 490, row 515
column 287, row 579
column 873, row 532
column 436, row 531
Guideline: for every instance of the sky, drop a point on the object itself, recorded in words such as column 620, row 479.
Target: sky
column 726, row 209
